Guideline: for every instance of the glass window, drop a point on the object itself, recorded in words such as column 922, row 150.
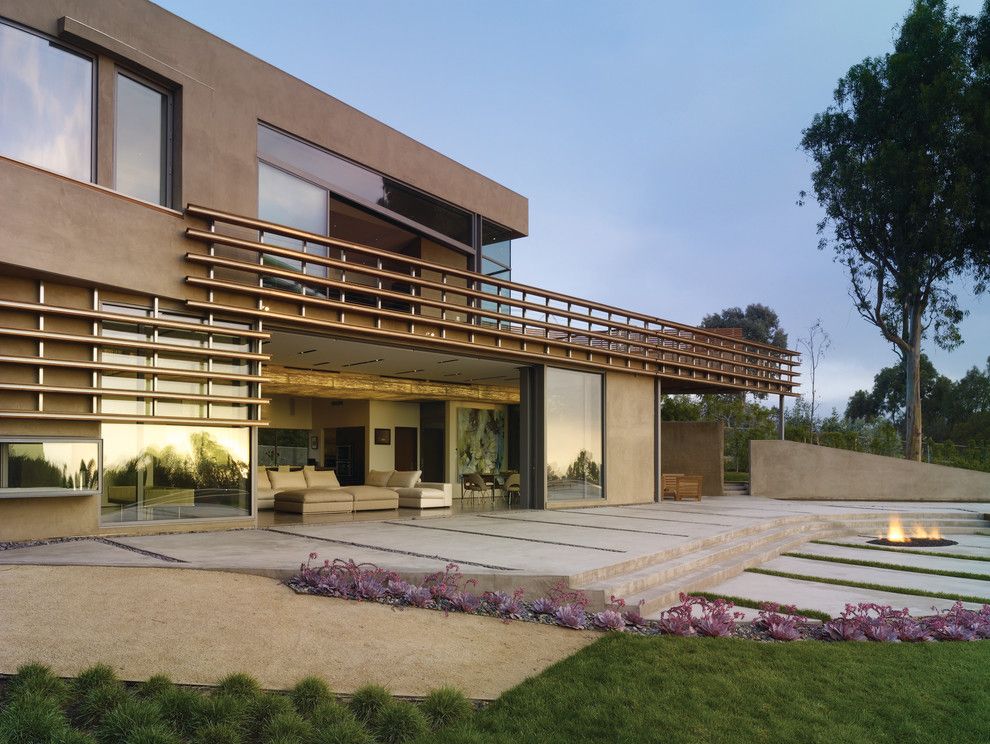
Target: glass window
column 496, row 245
column 142, row 141
column 357, row 182
column 46, row 104
column 50, row 467
column 154, row 471
column 291, row 201
column 573, row 435
column 283, row 446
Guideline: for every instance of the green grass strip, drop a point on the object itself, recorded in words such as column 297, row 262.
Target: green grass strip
column 891, row 566
column 903, row 550
column 871, row 587
column 753, row 604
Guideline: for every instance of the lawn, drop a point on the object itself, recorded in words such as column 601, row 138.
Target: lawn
column 666, row 689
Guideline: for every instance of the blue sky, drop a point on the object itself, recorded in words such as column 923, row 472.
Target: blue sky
column 656, row 141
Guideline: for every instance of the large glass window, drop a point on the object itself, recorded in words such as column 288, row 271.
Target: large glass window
column 46, row 104
column 574, row 435
column 363, row 185
column 287, row 200
column 283, row 446
column 142, row 141
column 53, row 467
column 154, row 471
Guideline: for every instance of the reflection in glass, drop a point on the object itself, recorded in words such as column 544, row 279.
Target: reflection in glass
column 354, row 181
column 283, row 446
column 140, row 155
column 573, row 435
column 50, row 466
column 288, row 200
column 154, row 471
column 46, row 104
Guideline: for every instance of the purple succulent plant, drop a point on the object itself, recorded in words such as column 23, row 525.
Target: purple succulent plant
column 465, row 601
column 609, row 620
column 419, row 596
column 543, row 606
column 571, row 616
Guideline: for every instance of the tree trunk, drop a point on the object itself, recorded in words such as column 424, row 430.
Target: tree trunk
column 912, row 391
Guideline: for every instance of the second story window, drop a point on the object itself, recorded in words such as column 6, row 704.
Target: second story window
column 46, row 104
column 48, row 101
column 142, row 140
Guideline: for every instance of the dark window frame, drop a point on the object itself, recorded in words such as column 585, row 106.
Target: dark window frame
column 168, row 129
column 8, row 492
column 94, row 92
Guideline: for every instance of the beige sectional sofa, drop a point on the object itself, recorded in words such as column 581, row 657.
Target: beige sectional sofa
column 311, row 491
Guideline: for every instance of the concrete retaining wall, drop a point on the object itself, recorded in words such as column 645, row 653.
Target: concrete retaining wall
column 694, row 448
column 791, row 470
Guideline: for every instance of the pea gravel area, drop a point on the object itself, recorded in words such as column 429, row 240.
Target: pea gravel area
column 197, row 626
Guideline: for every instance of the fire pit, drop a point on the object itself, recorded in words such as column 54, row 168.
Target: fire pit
column 921, row 536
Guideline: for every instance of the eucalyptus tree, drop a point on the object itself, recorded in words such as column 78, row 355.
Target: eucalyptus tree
column 901, row 171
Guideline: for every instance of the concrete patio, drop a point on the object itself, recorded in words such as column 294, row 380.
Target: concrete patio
column 646, row 553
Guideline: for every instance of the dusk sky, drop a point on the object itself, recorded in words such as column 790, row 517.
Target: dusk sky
column 656, row 141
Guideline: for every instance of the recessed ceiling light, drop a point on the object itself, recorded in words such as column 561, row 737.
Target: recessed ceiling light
column 367, row 361
column 408, row 371
column 308, row 351
column 448, row 361
column 454, row 374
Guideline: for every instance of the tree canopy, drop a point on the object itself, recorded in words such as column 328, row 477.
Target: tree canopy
column 901, row 171
column 758, row 323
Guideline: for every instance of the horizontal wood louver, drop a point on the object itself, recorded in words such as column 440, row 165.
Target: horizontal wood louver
column 136, row 362
column 364, row 292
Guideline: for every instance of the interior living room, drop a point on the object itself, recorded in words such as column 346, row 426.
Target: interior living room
column 440, row 430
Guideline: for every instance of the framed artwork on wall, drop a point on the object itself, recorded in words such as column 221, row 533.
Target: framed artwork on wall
column 383, row 436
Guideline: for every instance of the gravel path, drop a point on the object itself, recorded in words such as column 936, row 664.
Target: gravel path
column 197, row 626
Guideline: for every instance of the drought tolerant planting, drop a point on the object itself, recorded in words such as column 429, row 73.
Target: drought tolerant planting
column 36, row 707
column 703, row 615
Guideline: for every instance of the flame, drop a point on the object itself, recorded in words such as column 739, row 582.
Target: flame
column 895, row 533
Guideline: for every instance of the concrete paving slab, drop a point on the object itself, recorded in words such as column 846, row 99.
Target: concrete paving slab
column 263, row 549
column 904, row 559
column 78, row 552
column 883, row 576
column 822, row 597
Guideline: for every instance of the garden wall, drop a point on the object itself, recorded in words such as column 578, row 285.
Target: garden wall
column 791, row 470
column 694, row 448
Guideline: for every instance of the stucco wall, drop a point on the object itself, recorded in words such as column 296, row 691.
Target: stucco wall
column 694, row 448
column 630, row 402
column 791, row 470
column 97, row 237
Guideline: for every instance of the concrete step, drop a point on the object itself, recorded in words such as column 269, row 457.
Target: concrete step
column 637, row 581
column 662, row 596
column 700, row 564
column 739, row 488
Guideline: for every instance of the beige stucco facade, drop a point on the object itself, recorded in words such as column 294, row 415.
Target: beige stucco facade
column 792, row 470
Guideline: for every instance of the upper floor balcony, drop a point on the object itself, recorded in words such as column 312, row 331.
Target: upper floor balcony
column 271, row 273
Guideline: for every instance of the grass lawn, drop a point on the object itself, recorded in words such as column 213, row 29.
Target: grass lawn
column 732, row 476
column 666, row 689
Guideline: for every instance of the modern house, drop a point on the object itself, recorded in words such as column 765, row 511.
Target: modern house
column 210, row 269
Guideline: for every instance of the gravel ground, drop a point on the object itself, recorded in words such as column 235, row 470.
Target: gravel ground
column 197, row 626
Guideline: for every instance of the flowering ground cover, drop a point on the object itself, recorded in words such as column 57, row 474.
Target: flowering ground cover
column 701, row 615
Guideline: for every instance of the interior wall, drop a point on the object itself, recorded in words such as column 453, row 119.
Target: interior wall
column 288, row 412
column 387, row 415
column 330, row 414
